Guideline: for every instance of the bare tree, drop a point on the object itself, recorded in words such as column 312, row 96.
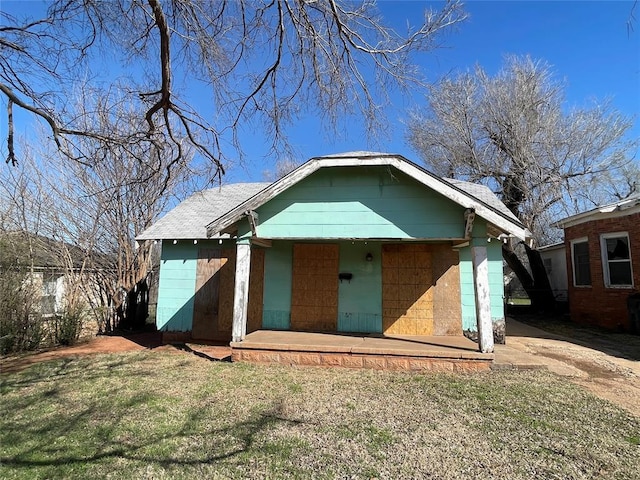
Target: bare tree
column 513, row 133
column 264, row 63
column 97, row 207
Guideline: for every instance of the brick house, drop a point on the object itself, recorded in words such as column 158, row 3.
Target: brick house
column 603, row 263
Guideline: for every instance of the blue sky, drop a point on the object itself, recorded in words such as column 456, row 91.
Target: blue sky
column 587, row 43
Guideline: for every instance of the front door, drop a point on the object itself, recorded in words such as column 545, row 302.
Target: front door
column 360, row 296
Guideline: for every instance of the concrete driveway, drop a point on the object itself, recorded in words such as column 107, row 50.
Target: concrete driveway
column 606, row 364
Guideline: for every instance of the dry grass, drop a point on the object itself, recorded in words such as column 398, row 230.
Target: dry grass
column 153, row 415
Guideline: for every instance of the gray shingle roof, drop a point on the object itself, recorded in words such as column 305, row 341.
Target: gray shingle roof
column 45, row 252
column 190, row 218
column 484, row 194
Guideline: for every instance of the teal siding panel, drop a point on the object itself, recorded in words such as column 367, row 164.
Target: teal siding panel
column 496, row 279
column 467, row 291
column 359, row 230
column 360, row 299
column 276, row 312
column 479, row 232
column 374, row 202
column 276, row 319
column 496, row 285
column 359, row 322
column 176, row 287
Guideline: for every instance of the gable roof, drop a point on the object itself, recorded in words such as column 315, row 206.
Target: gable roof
column 190, row 218
column 621, row 208
column 468, row 195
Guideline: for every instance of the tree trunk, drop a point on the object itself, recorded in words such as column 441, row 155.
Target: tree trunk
column 537, row 286
column 546, row 301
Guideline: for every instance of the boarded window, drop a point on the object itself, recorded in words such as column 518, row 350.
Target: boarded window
column 407, row 293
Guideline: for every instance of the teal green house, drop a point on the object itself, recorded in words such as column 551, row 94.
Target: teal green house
column 361, row 242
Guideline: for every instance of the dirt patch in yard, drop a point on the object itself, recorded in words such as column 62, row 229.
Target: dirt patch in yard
column 114, row 344
column 605, row 363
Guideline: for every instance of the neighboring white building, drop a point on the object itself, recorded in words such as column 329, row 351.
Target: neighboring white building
column 554, row 258
column 48, row 264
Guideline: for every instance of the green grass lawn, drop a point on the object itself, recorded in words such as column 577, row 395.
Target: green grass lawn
column 160, row 415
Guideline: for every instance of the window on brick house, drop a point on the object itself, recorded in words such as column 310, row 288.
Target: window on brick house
column 616, row 259
column 580, row 261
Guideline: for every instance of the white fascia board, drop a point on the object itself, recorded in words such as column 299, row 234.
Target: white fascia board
column 428, row 179
column 235, row 214
column 620, row 210
column 553, row 246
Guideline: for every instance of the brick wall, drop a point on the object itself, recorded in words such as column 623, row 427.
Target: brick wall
column 597, row 304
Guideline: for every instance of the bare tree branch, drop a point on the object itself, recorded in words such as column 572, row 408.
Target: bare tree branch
column 265, row 63
column 513, row 133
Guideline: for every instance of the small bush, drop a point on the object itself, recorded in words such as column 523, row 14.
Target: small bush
column 68, row 326
column 21, row 326
column 20, row 331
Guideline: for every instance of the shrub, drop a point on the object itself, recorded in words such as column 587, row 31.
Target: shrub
column 68, row 326
column 21, row 325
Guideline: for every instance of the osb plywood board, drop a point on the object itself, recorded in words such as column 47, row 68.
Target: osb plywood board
column 447, row 309
column 215, row 285
column 227, row 285
column 205, row 307
column 227, row 288
column 314, row 293
column 407, row 289
column 421, row 289
column 256, row 290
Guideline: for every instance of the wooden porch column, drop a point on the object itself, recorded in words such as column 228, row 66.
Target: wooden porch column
column 241, row 291
column 483, row 299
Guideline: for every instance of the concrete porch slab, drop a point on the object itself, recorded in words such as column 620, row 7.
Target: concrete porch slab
column 362, row 351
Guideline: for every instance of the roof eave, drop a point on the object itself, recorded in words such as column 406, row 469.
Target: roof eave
column 600, row 213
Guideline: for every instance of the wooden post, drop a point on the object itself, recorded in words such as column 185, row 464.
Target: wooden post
column 241, row 292
column 483, row 299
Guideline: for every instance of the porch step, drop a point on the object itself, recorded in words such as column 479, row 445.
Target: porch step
column 428, row 354
column 375, row 361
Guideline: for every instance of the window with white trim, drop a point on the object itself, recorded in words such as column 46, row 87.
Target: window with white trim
column 616, row 259
column 580, row 261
